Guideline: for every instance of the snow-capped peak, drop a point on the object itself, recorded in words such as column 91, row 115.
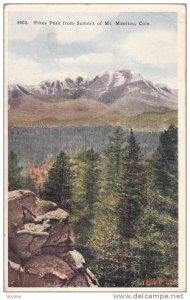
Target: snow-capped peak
column 106, row 87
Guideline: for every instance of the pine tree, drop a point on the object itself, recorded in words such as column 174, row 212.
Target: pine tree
column 132, row 200
column 165, row 186
column 14, row 172
column 104, row 241
column 91, row 158
column 112, row 162
column 165, row 166
column 154, row 248
column 148, row 259
column 86, row 190
column 131, row 188
column 58, row 187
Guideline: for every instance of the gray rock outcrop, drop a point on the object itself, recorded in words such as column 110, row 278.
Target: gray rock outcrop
column 42, row 246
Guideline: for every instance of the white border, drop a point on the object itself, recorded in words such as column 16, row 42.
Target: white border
column 1, row 118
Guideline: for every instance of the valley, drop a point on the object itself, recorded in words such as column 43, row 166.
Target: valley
column 43, row 143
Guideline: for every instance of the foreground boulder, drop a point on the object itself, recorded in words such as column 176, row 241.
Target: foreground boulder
column 41, row 245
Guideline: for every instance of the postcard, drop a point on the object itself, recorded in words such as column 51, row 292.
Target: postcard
column 95, row 147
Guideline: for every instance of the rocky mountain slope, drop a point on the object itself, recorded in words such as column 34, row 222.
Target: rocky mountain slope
column 107, row 88
column 41, row 245
column 108, row 98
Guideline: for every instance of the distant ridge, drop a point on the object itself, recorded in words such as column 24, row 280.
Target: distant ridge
column 107, row 88
column 108, row 98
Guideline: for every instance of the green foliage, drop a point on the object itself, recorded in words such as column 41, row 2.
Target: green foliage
column 134, row 236
column 14, row 172
column 155, row 246
column 16, row 178
column 165, row 186
column 123, row 207
column 86, row 189
column 42, row 142
column 58, row 187
column 91, row 159
column 112, row 161
column 165, row 166
column 105, row 240
column 28, row 183
column 131, row 187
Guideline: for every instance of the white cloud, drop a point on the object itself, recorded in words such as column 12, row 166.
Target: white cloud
column 77, row 33
column 88, row 61
column 85, row 65
column 30, row 72
column 156, row 48
column 23, row 71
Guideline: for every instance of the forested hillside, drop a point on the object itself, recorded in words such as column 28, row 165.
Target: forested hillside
column 123, row 205
column 41, row 143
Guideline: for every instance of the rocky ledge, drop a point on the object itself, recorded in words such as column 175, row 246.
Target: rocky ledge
column 41, row 245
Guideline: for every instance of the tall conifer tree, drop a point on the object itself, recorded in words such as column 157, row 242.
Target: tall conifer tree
column 86, row 190
column 165, row 166
column 58, row 187
column 131, row 188
column 132, row 199
column 112, row 161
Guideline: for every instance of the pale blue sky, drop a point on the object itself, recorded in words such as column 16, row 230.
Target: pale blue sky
column 44, row 52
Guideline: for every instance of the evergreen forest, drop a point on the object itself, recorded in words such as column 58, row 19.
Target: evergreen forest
column 123, row 207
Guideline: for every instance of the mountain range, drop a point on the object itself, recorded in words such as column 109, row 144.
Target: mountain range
column 113, row 98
